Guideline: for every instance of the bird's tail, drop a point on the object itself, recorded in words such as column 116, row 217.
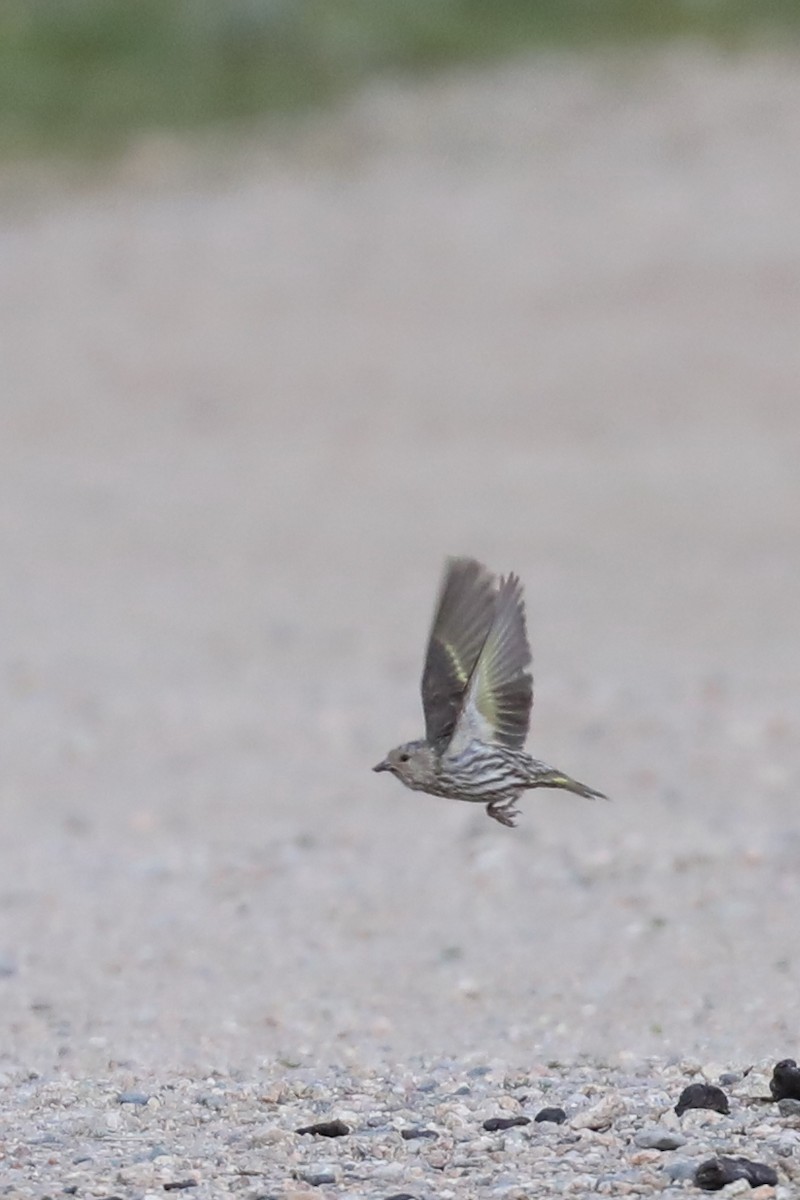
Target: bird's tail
column 557, row 779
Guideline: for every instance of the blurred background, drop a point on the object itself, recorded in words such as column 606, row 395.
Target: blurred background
column 297, row 299
column 88, row 74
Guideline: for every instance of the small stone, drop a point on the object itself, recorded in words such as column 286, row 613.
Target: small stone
column 698, row 1121
column 266, row 1137
column 179, row 1185
column 140, row 1098
column 329, row 1129
column 703, row 1095
column 658, row 1138
column 716, row 1173
column 787, row 1142
column 556, row 1115
column 438, row 1159
column 680, row 1170
column 415, row 1132
column 492, row 1124
column 739, row 1187
column 387, row 1170
column 318, row 1174
column 785, row 1082
column 644, row 1157
column 789, row 1107
column 157, row 1151
column 601, row 1115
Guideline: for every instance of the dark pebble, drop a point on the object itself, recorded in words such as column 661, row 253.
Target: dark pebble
column 133, row 1097
column 180, row 1185
column 494, row 1123
column 703, row 1095
column 785, row 1082
column 556, row 1115
column 401, row 1196
column 716, row 1173
column 414, row 1132
column 326, row 1129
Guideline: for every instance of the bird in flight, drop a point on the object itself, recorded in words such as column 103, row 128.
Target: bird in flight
column 477, row 693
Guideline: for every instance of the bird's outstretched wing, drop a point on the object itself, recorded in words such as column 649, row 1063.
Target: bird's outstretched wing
column 498, row 698
column 461, row 624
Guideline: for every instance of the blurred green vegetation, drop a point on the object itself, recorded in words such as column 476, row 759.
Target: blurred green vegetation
column 85, row 74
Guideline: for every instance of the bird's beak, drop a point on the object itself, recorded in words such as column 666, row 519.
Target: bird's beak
column 382, row 766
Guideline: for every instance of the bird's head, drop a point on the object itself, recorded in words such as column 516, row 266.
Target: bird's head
column 413, row 763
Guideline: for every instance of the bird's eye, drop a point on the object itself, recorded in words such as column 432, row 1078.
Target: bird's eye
column 403, row 757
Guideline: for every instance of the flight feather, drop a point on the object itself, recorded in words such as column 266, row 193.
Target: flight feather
column 498, row 698
column 462, row 620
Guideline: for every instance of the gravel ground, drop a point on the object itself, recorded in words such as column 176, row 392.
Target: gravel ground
column 253, row 395
column 428, row 1128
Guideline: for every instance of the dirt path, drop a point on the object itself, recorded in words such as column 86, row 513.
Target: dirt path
column 547, row 315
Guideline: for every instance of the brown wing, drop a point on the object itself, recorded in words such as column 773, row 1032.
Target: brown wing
column 461, row 623
column 497, row 702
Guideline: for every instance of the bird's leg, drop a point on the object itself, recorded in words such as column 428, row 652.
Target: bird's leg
column 503, row 811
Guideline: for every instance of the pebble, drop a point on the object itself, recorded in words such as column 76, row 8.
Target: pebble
column 680, row 1170
column 328, row 1129
column 702, row 1095
column 659, row 1138
column 319, row 1173
column 556, row 1115
column 785, row 1081
column 494, row 1123
column 600, row 1115
column 140, row 1098
column 717, row 1173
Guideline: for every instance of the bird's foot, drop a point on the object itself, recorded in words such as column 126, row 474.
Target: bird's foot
column 503, row 811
